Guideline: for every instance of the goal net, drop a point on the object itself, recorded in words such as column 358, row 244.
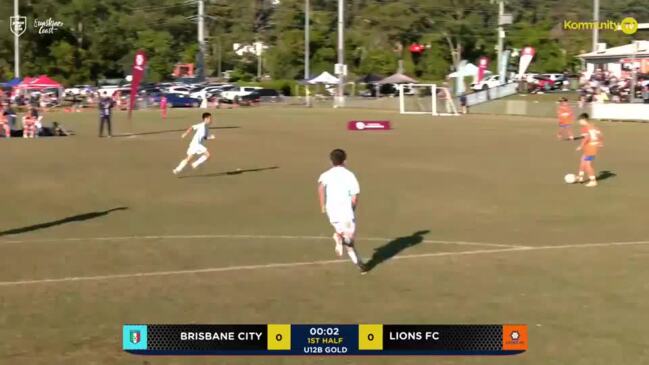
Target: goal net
column 426, row 99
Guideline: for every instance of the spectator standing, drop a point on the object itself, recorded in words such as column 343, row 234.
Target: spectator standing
column 32, row 111
column 106, row 105
column 29, row 126
column 463, row 104
column 76, row 102
column 4, row 123
column 600, row 97
column 163, row 106
column 10, row 116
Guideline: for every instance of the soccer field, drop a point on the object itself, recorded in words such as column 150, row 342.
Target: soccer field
column 466, row 218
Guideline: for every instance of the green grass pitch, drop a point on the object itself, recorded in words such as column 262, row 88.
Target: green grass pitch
column 468, row 218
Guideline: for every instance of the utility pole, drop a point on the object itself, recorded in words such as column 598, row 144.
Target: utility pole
column 634, row 71
column 16, row 43
column 201, row 38
column 258, row 49
column 595, row 24
column 307, row 40
column 340, row 95
column 220, row 70
column 501, row 36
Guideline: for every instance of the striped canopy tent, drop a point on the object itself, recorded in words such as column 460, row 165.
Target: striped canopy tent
column 39, row 83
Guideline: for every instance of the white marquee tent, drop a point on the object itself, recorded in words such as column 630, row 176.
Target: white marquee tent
column 324, row 78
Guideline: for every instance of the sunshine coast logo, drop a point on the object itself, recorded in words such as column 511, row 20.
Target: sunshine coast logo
column 47, row 26
column 17, row 25
column 627, row 25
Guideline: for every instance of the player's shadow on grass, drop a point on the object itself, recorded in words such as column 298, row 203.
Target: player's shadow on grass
column 233, row 172
column 58, row 222
column 603, row 175
column 169, row 131
column 394, row 247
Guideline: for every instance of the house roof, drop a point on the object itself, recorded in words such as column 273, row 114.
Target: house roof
column 637, row 49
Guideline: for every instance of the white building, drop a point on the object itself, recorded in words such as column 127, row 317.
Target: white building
column 618, row 60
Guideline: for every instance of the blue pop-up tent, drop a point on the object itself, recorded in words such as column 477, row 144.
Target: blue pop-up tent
column 12, row 83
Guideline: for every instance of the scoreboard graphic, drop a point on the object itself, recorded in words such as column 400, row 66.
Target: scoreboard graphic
column 324, row 339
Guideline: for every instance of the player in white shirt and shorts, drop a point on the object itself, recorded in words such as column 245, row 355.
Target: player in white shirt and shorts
column 338, row 190
column 196, row 147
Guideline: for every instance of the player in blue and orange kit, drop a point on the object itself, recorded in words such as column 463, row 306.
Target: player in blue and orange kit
column 565, row 115
column 592, row 141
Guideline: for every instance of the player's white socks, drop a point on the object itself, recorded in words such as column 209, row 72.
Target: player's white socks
column 352, row 255
column 200, row 160
column 181, row 166
column 339, row 244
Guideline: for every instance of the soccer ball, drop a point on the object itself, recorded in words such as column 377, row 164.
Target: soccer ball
column 570, row 178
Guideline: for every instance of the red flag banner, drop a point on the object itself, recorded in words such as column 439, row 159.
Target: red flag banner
column 139, row 65
column 483, row 63
column 526, row 58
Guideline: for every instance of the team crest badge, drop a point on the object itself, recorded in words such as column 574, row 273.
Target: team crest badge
column 135, row 337
column 18, row 25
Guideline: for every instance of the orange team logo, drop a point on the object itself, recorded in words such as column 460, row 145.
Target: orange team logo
column 515, row 337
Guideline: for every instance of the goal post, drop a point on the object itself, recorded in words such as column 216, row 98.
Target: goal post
column 426, row 99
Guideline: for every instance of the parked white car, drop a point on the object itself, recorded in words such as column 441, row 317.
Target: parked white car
column 238, row 92
column 79, row 90
column 206, row 91
column 555, row 77
column 486, row 83
column 184, row 90
column 530, row 78
column 108, row 89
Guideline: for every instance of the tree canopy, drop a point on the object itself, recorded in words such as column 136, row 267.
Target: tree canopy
column 99, row 38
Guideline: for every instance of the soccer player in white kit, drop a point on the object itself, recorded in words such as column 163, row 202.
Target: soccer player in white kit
column 338, row 191
column 196, row 147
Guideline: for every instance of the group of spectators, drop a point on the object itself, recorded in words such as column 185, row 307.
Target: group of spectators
column 31, row 123
column 604, row 87
column 42, row 100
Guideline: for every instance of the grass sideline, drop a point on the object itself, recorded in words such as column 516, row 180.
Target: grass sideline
column 83, row 206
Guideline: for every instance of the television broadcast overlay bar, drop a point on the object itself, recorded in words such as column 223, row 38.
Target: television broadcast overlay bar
column 324, row 339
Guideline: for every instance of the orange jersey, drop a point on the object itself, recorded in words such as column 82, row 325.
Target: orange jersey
column 593, row 140
column 564, row 113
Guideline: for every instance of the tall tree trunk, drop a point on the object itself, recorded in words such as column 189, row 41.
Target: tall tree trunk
column 455, row 49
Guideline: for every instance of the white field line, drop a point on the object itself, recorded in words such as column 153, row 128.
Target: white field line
column 233, row 236
column 309, row 263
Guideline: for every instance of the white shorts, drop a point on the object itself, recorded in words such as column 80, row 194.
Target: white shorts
column 345, row 228
column 196, row 149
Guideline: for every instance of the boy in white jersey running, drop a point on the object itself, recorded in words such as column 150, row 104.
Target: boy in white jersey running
column 338, row 191
column 196, row 147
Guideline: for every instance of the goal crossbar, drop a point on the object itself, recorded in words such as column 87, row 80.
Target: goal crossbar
column 450, row 108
